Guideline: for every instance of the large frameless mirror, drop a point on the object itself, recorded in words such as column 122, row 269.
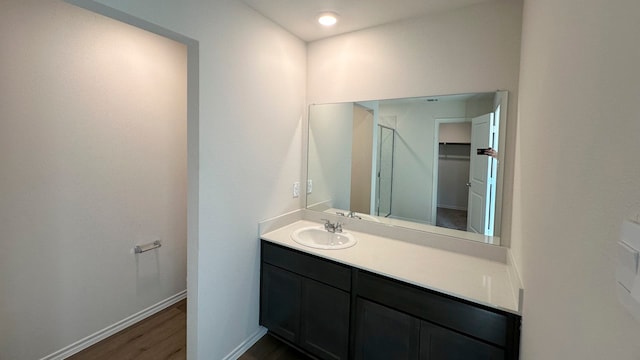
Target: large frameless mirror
column 430, row 163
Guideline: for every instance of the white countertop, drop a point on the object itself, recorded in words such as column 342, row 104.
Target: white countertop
column 475, row 279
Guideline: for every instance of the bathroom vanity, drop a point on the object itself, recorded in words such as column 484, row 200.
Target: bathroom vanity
column 386, row 299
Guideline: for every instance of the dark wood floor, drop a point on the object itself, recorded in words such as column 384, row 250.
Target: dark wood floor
column 270, row 348
column 163, row 336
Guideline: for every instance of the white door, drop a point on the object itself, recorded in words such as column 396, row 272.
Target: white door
column 481, row 176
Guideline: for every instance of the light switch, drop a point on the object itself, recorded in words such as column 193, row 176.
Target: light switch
column 309, row 186
column 296, row 189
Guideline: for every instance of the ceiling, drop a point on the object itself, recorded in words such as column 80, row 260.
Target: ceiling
column 299, row 16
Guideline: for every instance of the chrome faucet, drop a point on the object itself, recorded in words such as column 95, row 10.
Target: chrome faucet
column 351, row 214
column 332, row 227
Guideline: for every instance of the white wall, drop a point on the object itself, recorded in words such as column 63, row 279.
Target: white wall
column 477, row 107
column 459, row 132
column 361, row 159
column 413, row 160
column 453, row 175
column 252, row 96
column 330, row 146
column 453, row 192
column 93, row 118
column 473, row 49
column 579, row 132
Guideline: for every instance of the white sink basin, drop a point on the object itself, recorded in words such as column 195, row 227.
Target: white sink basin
column 319, row 238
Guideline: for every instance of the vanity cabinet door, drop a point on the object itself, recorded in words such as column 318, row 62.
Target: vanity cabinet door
column 438, row 343
column 306, row 301
column 325, row 320
column 449, row 329
column 383, row 333
column 280, row 299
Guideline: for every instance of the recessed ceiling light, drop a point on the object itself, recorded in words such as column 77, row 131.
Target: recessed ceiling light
column 328, row 18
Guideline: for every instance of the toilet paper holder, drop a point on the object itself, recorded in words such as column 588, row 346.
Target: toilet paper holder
column 139, row 249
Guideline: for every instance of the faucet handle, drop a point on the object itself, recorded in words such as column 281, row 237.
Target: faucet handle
column 327, row 224
column 338, row 227
column 339, row 213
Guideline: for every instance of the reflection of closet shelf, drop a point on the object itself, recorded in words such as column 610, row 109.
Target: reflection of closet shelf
column 454, row 150
column 455, row 157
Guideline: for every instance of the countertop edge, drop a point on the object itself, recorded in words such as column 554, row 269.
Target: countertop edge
column 276, row 236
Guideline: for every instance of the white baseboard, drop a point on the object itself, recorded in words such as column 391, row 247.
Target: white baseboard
column 82, row 344
column 238, row 351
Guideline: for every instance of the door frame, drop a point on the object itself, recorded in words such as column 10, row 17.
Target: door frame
column 193, row 154
column 436, row 157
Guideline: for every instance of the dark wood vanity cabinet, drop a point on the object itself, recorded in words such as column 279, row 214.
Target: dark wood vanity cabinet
column 280, row 302
column 438, row 343
column 385, row 333
column 333, row 311
column 305, row 301
column 436, row 326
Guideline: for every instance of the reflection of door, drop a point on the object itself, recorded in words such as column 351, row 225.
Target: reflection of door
column 451, row 172
column 480, row 218
column 384, row 180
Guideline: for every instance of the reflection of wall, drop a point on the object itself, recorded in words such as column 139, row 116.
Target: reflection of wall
column 453, row 175
column 93, row 152
column 388, row 121
column 477, row 107
column 362, row 156
column 459, row 132
column 330, row 139
column 453, row 164
column 413, row 161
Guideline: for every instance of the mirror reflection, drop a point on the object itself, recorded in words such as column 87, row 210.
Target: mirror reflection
column 429, row 163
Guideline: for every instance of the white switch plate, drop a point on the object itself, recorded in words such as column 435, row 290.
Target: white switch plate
column 296, row 189
column 309, row 186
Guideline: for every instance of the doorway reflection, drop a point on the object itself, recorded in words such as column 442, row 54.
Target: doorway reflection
column 453, row 177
